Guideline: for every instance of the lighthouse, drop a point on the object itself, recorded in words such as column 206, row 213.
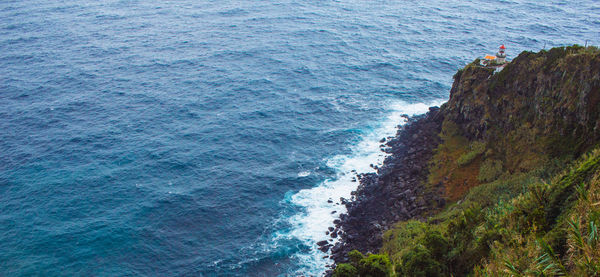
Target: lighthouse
column 501, row 56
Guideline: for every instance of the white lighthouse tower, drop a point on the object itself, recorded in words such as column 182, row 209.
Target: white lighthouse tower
column 501, row 56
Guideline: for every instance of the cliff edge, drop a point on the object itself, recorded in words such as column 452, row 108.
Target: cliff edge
column 503, row 179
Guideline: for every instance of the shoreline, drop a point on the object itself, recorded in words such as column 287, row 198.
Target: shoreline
column 491, row 148
column 322, row 203
column 397, row 183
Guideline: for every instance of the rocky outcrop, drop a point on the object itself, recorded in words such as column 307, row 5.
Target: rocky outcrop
column 554, row 93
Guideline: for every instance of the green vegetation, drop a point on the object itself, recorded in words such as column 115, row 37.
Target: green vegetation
column 475, row 149
column 520, row 164
column 490, row 170
column 372, row 265
column 518, row 120
column 345, row 270
column 514, row 226
column 444, row 167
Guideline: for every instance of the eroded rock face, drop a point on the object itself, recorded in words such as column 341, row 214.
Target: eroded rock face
column 555, row 94
column 394, row 193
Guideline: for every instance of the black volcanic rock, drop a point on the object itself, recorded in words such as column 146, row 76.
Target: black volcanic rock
column 395, row 192
column 321, row 243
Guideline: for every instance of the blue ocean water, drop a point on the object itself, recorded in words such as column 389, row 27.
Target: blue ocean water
column 204, row 138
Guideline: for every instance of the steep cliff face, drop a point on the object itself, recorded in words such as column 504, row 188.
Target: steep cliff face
column 497, row 153
column 555, row 93
column 540, row 107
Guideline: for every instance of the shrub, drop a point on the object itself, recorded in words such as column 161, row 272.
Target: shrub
column 345, row 270
column 420, row 262
column 372, row 265
column 476, row 149
column 436, row 244
column 402, row 237
column 466, row 251
column 490, row 170
column 355, row 256
column 375, row 266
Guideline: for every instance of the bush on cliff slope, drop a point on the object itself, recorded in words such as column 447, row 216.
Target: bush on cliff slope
column 548, row 228
column 372, row 265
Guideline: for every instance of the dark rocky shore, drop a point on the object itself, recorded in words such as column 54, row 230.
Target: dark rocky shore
column 392, row 194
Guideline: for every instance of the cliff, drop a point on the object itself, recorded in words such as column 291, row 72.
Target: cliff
column 500, row 180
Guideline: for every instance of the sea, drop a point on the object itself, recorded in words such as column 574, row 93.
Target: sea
column 216, row 138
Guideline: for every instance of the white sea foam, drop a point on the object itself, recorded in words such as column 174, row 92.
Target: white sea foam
column 303, row 173
column 310, row 225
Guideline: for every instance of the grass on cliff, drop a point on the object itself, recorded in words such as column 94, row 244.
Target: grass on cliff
column 520, row 226
column 515, row 226
column 522, row 117
column 552, row 229
column 456, row 162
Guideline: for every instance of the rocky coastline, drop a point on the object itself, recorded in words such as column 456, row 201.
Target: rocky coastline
column 490, row 149
column 394, row 193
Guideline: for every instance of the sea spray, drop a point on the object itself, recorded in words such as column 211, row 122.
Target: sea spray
column 320, row 206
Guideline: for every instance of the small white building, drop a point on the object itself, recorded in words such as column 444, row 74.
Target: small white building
column 498, row 60
column 501, row 55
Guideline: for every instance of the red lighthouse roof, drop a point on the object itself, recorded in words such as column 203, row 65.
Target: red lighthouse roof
column 502, row 46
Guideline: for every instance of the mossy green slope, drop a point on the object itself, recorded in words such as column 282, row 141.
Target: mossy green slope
column 520, row 164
